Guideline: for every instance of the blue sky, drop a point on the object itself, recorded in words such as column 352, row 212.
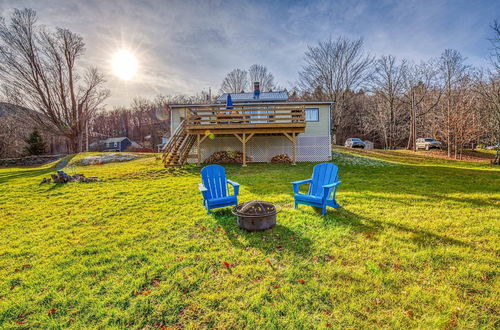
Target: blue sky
column 186, row 46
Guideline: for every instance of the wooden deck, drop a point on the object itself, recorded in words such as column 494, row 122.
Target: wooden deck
column 256, row 119
column 241, row 121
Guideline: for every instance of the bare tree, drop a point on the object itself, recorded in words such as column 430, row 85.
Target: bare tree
column 334, row 68
column 495, row 42
column 235, row 81
column 387, row 84
column 422, row 94
column 488, row 88
column 453, row 71
column 39, row 69
column 259, row 73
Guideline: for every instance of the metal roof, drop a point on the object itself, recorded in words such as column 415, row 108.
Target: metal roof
column 115, row 139
column 249, row 97
column 253, row 103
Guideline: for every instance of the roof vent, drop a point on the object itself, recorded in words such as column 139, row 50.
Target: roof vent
column 256, row 90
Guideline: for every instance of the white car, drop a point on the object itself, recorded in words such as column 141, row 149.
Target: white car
column 492, row 147
column 428, row 143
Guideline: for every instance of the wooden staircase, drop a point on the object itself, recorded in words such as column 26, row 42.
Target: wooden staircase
column 176, row 151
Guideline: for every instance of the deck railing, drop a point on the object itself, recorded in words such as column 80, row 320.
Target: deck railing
column 243, row 116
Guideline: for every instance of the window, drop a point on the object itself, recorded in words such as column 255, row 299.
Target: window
column 312, row 114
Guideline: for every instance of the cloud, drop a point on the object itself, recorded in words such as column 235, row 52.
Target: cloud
column 188, row 46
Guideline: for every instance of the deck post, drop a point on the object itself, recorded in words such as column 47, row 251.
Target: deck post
column 198, row 142
column 244, row 142
column 294, row 148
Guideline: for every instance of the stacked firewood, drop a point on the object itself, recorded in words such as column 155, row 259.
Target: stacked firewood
column 281, row 158
column 62, row 177
column 226, row 157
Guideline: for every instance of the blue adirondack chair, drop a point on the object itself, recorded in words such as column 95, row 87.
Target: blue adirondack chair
column 214, row 188
column 324, row 180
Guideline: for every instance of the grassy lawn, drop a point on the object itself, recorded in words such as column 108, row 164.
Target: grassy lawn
column 415, row 244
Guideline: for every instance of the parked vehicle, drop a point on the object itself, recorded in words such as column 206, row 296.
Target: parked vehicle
column 354, row 143
column 428, row 143
column 492, row 147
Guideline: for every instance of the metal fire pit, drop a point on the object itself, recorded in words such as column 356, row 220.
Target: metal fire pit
column 256, row 215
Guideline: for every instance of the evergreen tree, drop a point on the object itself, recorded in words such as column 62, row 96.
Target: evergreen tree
column 36, row 144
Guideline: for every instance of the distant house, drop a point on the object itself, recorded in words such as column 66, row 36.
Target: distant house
column 114, row 144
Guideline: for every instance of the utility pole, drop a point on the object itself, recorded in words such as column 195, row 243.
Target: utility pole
column 87, row 136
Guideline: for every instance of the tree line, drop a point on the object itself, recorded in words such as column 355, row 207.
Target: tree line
column 394, row 101
column 390, row 101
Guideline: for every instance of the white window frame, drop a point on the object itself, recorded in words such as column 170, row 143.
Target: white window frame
column 317, row 114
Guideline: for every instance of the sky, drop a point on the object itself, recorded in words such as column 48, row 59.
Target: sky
column 185, row 47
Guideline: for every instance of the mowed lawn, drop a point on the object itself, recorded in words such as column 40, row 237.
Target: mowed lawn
column 415, row 244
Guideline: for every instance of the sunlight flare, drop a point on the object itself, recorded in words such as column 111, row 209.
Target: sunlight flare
column 124, row 64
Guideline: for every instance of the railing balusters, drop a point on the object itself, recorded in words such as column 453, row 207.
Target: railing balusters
column 265, row 116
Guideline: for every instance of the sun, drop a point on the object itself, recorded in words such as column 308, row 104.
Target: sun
column 124, row 64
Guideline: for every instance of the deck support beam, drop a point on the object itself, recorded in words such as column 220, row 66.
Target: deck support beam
column 293, row 138
column 198, row 138
column 244, row 138
column 199, row 141
column 244, row 141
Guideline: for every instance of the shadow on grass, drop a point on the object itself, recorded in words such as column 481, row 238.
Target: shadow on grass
column 360, row 224
column 26, row 174
column 32, row 172
column 345, row 218
column 279, row 238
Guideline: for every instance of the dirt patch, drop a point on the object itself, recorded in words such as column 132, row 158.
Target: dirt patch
column 468, row 155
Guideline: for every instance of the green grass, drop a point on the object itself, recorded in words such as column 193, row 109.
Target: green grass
column 415, row 244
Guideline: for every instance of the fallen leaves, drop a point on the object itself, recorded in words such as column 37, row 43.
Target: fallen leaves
column 228, row 266
column 155, row 282
column 52, row 311
column 409, row 313
column 301, row 281
column 21, row 319
column 142, row 293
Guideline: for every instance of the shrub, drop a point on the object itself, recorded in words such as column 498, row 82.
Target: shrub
column 36, row 144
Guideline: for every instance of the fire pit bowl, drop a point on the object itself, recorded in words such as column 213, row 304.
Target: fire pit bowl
column 256, row 215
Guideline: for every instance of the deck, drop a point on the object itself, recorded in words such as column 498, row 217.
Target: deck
column 242, row 121
column 256, row 119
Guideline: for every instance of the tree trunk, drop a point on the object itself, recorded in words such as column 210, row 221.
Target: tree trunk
column 496, row 161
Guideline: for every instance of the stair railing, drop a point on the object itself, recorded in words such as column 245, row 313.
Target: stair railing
column 175, row 136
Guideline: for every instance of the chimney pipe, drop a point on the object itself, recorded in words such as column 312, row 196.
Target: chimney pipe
column 256, row 90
